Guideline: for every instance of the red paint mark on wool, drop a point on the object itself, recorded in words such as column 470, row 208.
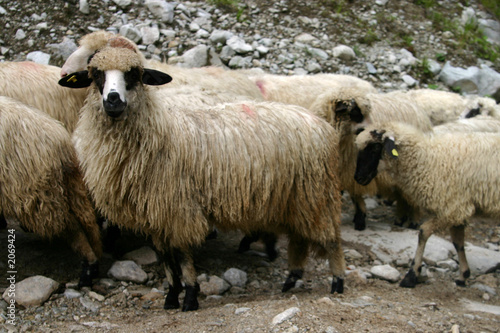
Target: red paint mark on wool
column 30, row 66
column 248, row 110
column 121, row 43
column 260, row 84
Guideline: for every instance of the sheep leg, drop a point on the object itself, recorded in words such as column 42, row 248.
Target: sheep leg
column 360, row 212
column 80, row 244
column 298, row 249
column 270, row 239
column 336, row 261
column 457, row 236
column 246, row 241
column 3, row 222
column 411, row 278
column 173, row 272
column 180, row 263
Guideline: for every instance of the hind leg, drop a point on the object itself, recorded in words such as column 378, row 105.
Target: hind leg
column 298, row 249
column 81, row 245
column 457, row 236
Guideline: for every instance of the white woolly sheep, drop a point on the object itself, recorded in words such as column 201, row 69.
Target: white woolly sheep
column 443, row 106
column 167, row 171
column 348, row 108
column 450, row 176
column 476, row 124
column 208, row 78
column 303, row 90
column 36, row 85
column 42, row 186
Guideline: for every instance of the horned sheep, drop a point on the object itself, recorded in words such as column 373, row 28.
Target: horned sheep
column 36, row 85
column 167, row 171
column 450, row 176
column 207, row 78
column 42, row 185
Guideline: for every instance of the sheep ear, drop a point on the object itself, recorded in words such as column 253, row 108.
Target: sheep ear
column 390, row 147
column 155, row 78
column 76, row 80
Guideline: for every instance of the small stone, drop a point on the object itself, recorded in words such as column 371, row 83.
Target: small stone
column 72, row 293
column 286, row 315
column 127, row 270
column 386, row 272
column 96, row 296
column 235, row 277
column 241, row 310
column 142, row 256
column 32, row 291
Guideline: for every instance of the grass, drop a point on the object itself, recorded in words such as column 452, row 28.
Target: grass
column 468, row 36
column 231, row 5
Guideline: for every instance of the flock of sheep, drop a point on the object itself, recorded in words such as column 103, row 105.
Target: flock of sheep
column 173, row 153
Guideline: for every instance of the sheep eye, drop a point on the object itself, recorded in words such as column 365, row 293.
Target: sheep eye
column 132, row 78
column 98, row 77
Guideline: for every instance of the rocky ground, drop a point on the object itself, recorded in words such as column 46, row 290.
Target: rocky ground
column 382, row 36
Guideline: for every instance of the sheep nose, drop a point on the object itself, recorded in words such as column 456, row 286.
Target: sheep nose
column 113, row 105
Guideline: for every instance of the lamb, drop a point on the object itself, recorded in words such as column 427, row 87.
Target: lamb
column 303, row 90
column 42, row 186
column 170, row 172
column 36, row 85
column 208, row 78
column 349, row 108
column 451, row 176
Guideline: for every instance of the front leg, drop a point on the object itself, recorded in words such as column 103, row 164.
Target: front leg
column 457, row 236
column 411, row 278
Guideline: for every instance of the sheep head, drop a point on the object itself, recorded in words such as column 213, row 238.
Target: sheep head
column 372, row 143
column 115, row 72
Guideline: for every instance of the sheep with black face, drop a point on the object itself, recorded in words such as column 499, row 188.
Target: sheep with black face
column 449, row 176
column 170, row 171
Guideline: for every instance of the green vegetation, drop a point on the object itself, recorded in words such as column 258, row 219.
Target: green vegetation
column 468, row 36
column 231, row 5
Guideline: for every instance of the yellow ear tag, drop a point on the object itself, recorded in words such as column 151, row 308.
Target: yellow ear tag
column 394, row 152
column 72, row 79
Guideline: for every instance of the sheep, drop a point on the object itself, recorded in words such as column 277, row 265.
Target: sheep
column 476, row 124
column 451, row 176
column 443, row 106
column 208, row 78
column 303, row 90
column 42, row 186
column 170, row 172
column 36, row 85
column 348, row 108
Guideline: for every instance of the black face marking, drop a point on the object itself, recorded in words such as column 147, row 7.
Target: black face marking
column 132, row 78
column 99, row 78
column 367, row 163
column 472, row 113
column 356, row 115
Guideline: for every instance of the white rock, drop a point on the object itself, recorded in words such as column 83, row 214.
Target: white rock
column 142, row 256
column 215, row 286
column 84, row 7
column 32, row 291
column 39, row 57
column 385, row 272
column 127, row 270
column 20, row 34
column 72, row 293
column 305, row 38
column 150, row 34
column 235, row 277
column 122, row 3
column 239, row 45
column 344, row 52
column 286, row 315
column 195, row 57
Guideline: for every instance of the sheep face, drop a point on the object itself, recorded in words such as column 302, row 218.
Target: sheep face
column 372, row 144
column 116, row 73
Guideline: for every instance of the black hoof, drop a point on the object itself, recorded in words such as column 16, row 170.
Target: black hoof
column 410, row 280
column 171, row 302
column 460, row 283
column 191, row 298
column 292, row 278
column 337, row 286
column 89, row 272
